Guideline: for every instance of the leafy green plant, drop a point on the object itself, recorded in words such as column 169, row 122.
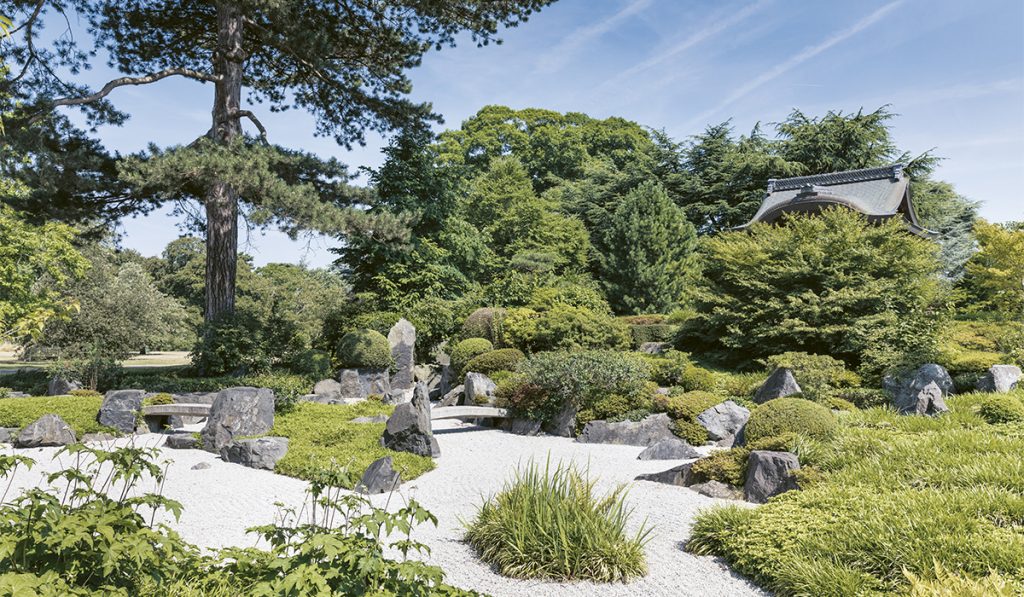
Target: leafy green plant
column 820, row 376
column 364, row 349
column 563, row 327
column 1001, row 408
column 789, row 415
column 465, row 351
column 232, row 344
column 652, row 332
column 503, row 359
column 547, row 523
column 161, row 398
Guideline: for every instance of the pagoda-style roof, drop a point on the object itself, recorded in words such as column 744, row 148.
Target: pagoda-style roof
column 878, row 193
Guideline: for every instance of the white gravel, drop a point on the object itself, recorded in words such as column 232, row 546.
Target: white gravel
column 220, row 502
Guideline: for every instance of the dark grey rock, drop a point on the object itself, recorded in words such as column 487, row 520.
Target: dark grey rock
column 655, row 347
column 96, row 438
column 921, row 392
column 780, row 383
column 453, row 397
column 120, row 409
column 7, row 434
column 47, row 430
column 358, row 384
column 769, row 474
column 1000, row 378
column 402, row 338
column 445, row 384
column 564, row 422
column 380, row 477
column 408, row 429
column 522, row 426
column 677, row 475
column 328, row 388
column 479, row 390
column 59, row 386
column 724, row 422
column 396, row 396
column 430, row 375
column 261, row 452
column 199, row 466
column 373, row 419
column 238, row 412
column 177, row 421
column 669, row 449
column 650, row 430
column 181, row 441
column 717, row 489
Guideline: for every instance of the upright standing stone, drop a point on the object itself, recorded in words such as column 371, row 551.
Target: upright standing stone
column 768, row 474
column 408, row 428
column 402, row 339
column 120, row 409
column 780, row 383
column 238, row 412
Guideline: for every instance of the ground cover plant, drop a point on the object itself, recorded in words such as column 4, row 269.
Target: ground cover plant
column 547, row 523
column 887, row 500
column 78, row 411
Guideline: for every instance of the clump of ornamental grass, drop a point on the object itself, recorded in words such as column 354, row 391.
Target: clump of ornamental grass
column 547, row 523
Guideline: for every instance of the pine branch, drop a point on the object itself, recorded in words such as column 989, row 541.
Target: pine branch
column 144, row 80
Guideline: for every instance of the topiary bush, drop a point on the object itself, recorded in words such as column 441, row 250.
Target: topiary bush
column 503, row 359
column 1001, row 408
column 789, row 415
column 364, row 349
column 465, row 351
column 654, row 332
column 548, row 524
column 485, row 322
column 819, row 376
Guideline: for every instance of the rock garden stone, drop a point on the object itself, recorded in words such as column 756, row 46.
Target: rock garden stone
column 769, row 474
column 717, row 489
column 564, row 422
column 453, row 397
column 380, row 477
column 238, row 412
column 445, row 384
column 7, row 434
column 669, row 449
column 780, row 383
column 677, row 475
column 520, row 426
column 402, row 338
column 655, row 347
column 327, row 389
column 1000, row 378
column 200, row 466
column 396, row 396
column 724, row 422
column 408, row 428
column 373, row 419
column 120, row 409
column 47, row 430
column 650, row 430
column 432, row 377
column 60, row 386
column 96, row 438
column 921, row 392
column 358, row 384
column 181, row 441
column 479, row 390
column 179, row 421
column 261, row 452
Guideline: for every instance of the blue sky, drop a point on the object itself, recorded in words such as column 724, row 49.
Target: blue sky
column 952, row 70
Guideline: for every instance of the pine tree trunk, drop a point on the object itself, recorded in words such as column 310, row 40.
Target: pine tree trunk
column 221, row 200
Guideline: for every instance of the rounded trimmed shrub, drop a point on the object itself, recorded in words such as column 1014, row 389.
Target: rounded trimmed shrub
column 465, row 351
column 1001, row 408
column 790, row 415
column 503, row 359
column 485, row 322
column 364, row 349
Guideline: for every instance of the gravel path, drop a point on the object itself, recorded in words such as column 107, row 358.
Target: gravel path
column 220, row 502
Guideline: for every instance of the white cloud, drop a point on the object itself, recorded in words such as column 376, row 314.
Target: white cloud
column 557, row 58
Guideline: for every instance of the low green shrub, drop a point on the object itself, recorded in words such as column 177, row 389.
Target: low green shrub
column 684, row 408
column 485, row 322
column 616, row 407
column 322, row 437
column 724, row 466
column 645, row 319
column 836, row 403
column 667, row 368
column 156, row 399
column 548, row 524
column 563, row 327
column 81, row 393
column 311, row 363
column 1001, row 408
column 503, row 359
column 789, row 415
column 364, row 349
column 820, row 376
column 465, row 351
column 29, row 381
column 78, row 411
column 233, row 344
column 864, row 397
column 742, row 385
column 654, row 332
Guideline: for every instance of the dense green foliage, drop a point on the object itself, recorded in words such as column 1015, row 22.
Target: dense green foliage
column 789, row 415
column 467, row 350
column 820, row 376
column 886, row 494
column 547, row 523
column 78, row 411
column 364, row 349
column 994, row 273
column 503, row 359
column 563, row 327
column 833, row 284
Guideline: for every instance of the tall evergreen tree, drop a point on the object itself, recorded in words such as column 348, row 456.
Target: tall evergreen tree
column 342, row 61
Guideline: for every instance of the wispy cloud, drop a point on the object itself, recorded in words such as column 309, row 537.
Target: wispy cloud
column 705, row 32
column 796, row 60
column 557, row 58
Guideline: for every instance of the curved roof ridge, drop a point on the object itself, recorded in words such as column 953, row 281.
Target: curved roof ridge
column 892, row 171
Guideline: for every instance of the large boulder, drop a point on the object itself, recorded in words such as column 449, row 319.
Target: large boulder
column 380, row 477
column 780, row 383
column 181, row 441
column 327, row 390
column 768, row 474
column 47, row 430
column 402, row 338
column 520, row 426
column 358, row 384
column 677, row 475
column 179, row 421
column 563, row 424
column 238, row 412
column 1000, row 378
column 669, row 449
column 408, row 428
column 650, row 430
column 120, row 409
column 479, row 390
column 261, row 452
column 724, row 422
column 921, row 392
column 60, row 386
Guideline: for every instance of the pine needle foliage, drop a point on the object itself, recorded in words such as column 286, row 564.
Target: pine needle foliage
column 548, row 524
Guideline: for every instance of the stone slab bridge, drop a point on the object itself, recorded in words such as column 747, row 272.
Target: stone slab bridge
column 444, row 412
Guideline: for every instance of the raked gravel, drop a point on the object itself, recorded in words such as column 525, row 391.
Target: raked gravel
column 221, row 501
